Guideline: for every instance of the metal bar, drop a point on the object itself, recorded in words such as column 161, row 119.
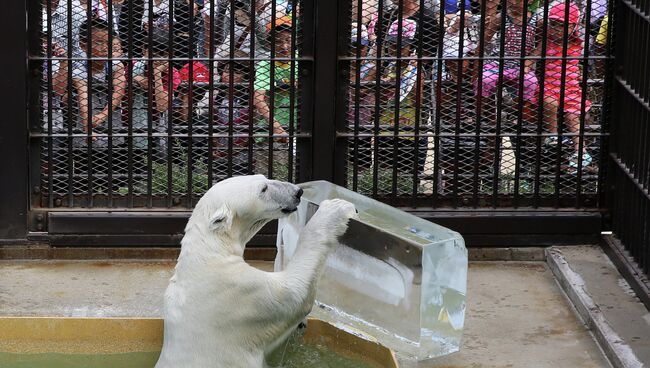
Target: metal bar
column 292, row 90
column 398, row 87
column 271, row 122
column 251, row 89
column 520, row 99
column 357, row 99
column 479, row 104
column 378, row 73
column 50, row 96
column 70, row 118
column 497, row 140
column 129, row 91
column 151, row 95
column 418, row 101
column 89, row 127
column 438, row 96
column 583, row 101
column 109, row 146
column 560, row 109
column 231, row 88
column 340, row 146
column 190, row 102
column 325, row 79
column 211, row 97
column 170, row 81
column 459, row 99
column 14, row 135
column 540, row 103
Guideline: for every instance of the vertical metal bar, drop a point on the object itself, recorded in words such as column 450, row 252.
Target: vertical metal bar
column 292, row 89
column 50, row 96
column 325, row 78
column 151, row 96
column 437, row 92
column 231, row 87
column 340, row 145
column 540, row 106
column 479, row 104
column 305, row 146
column 170, row 142
column 272, row 90
column 606, row 167
column 70, row 116
column 89, row 140
column 14, row 195
column 560, row 112
column 251, row 88
column 583, row 99
column 398, row 80
column 520, row 101
column 129, row 99
column 378, row 106
column 459, row 99
column 211, row 97
column 497, row 136
column 418, row 99
column 190, row 115
column 109, row 146
column 357, row 98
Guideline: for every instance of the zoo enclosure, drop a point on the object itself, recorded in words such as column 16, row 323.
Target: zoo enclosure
column 412, row 128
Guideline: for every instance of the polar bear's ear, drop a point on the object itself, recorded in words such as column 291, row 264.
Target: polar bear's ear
column 221, row 219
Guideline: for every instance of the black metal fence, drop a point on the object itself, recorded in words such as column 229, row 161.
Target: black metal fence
column 630, row 144
column 146, row 103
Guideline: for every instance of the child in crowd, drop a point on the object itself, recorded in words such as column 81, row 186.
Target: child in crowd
column 198, row 77
column 151, row 82
column 570, row 85
column 361, row 97
column 514, row 34
column 234, row 79
column 93, row 95
column 404, row 74
column 282, row 81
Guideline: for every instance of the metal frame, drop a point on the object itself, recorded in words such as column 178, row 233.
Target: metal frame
column 322, row 148
column 14, row 184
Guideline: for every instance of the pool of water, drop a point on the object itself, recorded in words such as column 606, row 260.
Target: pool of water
column 295, row 355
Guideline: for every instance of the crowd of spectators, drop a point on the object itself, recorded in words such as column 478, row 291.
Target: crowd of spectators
column 129, row 65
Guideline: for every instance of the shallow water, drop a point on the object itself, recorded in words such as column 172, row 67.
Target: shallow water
column 296, row 356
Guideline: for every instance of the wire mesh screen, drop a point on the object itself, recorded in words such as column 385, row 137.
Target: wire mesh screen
column 147, row 103
column 489, row 103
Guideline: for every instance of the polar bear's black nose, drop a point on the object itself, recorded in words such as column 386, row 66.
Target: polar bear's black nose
column 299, row 193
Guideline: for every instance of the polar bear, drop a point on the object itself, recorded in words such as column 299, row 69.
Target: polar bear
column 219, row 311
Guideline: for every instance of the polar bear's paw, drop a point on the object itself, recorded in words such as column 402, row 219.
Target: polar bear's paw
column 333, row 216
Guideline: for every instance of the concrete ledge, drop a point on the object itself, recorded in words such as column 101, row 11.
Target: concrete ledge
column 618, row 352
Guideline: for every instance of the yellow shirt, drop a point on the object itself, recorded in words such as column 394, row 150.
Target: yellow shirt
column 601, row 39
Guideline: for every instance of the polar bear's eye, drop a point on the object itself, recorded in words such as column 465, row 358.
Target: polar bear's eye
column 265, row 188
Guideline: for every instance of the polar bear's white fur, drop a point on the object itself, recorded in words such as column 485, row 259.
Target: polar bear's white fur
column 219, row 311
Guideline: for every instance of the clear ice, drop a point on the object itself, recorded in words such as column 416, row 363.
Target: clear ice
column 396, row 279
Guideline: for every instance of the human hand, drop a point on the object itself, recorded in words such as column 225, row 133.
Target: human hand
column 279, row 130
column 99, row 118
column 159, row 66
column 57, row 50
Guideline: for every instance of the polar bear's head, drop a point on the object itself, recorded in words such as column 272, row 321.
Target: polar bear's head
column 238, row 207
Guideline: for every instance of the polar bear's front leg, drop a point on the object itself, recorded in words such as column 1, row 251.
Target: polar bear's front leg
column 315, row 242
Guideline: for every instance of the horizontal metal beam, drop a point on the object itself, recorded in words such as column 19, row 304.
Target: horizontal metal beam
column 479, row 228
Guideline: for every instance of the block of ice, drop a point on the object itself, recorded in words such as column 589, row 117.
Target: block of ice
column 396, row 278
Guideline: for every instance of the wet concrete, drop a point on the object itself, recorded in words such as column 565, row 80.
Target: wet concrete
column 517, row 315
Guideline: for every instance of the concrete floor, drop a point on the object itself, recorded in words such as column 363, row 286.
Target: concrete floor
column 517, row 316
